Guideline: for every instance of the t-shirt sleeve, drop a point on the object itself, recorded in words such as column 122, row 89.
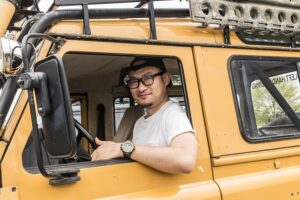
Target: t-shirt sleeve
column 176, row 123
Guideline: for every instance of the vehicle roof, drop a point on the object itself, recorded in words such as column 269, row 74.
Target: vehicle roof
column 172, row 30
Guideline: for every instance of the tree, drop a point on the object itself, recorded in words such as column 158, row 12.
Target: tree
column 265, row 106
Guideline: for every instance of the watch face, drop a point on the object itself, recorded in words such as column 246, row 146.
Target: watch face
column 127, row 147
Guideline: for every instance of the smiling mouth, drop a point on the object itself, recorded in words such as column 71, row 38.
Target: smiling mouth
column 143, row 95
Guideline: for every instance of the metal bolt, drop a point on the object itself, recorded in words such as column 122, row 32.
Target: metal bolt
column 21, row 81
column 41, row 109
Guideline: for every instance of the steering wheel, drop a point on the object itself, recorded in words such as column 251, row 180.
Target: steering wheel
column 82, row 154
column 84, row 133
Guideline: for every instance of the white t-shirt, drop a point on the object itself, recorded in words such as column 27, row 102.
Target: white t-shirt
column 160, row 128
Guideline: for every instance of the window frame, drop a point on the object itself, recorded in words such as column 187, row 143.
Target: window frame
column 245, row 133
column 116, row 52
column 82, row 98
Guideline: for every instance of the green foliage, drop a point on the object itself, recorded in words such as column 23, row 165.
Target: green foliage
column 265, row 106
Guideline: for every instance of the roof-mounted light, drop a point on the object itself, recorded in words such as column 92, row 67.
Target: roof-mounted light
column 266, row 16
column 10, row 56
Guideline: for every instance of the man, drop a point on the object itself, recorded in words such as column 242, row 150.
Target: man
column 163, row 138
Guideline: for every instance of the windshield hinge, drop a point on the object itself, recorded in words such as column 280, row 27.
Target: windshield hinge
column 57, row 46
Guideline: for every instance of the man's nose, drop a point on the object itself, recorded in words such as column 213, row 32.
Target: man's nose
column 142, row 87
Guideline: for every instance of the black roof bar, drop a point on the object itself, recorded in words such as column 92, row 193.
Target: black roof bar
column 152, row 21
column 141, row 4
column 86, row 19
column 80, row 2
column 52, row 17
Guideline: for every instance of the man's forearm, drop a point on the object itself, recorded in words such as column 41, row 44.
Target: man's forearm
column 166, row 159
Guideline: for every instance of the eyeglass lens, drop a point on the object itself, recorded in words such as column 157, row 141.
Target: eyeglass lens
column 147, row 80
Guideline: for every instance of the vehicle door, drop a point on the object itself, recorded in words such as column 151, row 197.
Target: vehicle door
column 254, row 151
column 121, row 179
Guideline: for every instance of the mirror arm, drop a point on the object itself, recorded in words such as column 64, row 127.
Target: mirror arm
column 25, row 43
column 30, row 81
column 37, row 81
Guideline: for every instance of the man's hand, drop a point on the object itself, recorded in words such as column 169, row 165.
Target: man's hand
column 107, row 150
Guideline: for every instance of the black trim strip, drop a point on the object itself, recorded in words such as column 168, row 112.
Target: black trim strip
column 8, row 94
column 164, row 42
column 185, row 93
column 1, row 184
column 13, row 132
column 79, row 2
column 79, row 165
column 250, row 115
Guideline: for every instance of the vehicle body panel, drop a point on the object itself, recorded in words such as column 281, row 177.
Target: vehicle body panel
column 242, row 170
column 9, row 193
column 7, row 11
column 228, row 166
column 220, row 111
column 111, row 180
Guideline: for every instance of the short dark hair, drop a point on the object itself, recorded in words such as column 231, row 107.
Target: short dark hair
column 141, row 62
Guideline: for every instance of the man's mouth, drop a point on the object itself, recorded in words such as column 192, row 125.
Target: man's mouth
column 143, row 96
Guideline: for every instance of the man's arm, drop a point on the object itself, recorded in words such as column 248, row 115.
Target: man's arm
column 179, row 157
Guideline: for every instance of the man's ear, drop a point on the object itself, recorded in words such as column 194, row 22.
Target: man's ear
column 166, row 78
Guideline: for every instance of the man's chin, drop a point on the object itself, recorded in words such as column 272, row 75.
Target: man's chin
column 146, row 105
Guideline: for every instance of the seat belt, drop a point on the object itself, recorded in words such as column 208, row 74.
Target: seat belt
column 101, row 122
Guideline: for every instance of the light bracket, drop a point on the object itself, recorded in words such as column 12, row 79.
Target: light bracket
column 266, row 16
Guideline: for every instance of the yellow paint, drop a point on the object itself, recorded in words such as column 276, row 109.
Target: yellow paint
column 227, row 165
column 112, row 180
column 9, row 193
column 7, row 11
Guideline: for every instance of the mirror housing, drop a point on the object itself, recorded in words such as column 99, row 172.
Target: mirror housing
column 54, row 106
column 10, row 56
column 58, row 123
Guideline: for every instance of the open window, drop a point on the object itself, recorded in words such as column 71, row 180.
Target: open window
column 267, row 97
column 100, row 97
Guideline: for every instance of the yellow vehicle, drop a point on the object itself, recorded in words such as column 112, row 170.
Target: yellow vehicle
column 235, row 70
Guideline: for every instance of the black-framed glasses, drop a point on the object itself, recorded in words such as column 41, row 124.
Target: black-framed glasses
column 147, row 80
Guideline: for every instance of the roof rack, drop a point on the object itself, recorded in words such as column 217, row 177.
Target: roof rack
column 265, row 17
column 85, row 3
column 80, row 2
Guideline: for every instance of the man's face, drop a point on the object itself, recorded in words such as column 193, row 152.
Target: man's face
column 152, row 95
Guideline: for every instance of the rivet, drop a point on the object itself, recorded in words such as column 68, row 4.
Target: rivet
column 277, row 164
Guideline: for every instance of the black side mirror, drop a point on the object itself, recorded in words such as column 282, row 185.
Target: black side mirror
column 54, row 106
column 58, row 123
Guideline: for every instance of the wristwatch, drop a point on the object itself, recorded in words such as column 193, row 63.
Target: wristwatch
column 127, row 148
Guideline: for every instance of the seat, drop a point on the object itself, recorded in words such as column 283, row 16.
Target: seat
column 125, row 129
